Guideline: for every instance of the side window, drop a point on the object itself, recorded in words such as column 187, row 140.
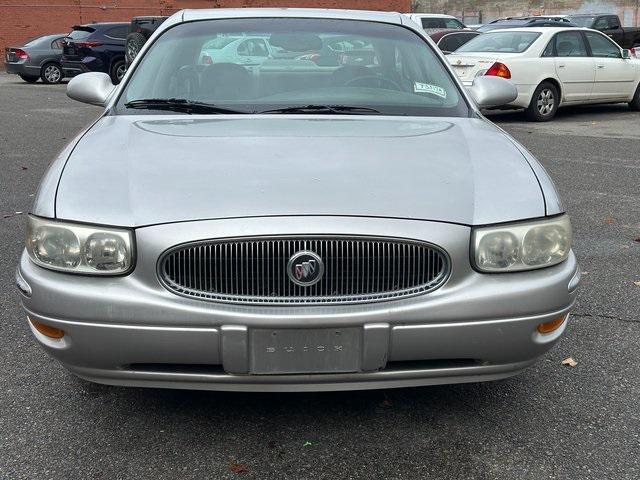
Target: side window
column 601, row 46
column 613, row 22
column 57, row 44
column 601, row 24
column 117, row 32
column 253, row 48
column 453, row 23
column 570, row 44
column 428, row 23
column 549, row 51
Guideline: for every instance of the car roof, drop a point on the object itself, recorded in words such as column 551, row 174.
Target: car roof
column 549, row 30
column 430, row 15
column 589, row 14
column 217, row 13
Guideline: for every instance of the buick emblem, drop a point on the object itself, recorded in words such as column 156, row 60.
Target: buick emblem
column 305, row 268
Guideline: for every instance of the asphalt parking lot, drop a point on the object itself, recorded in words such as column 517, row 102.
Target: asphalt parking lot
column 553, row 421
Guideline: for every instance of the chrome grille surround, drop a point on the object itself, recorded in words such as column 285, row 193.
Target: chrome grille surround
column 252, row 270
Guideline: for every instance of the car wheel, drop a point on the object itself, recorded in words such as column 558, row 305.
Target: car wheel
column 635, row 103
column 135, row 41
column 118, row 69
column 51, row 73
column 29, row 79
column 544, row 103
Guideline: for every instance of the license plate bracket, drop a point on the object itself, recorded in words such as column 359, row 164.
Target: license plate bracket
column 305, row 350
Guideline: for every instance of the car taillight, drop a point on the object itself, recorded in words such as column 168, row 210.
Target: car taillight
column 21, row 54
column 499, row 70
column 88, row 44
column 207, row 60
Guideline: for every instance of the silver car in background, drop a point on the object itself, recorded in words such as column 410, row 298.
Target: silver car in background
column 37, row 58
column 295, row 227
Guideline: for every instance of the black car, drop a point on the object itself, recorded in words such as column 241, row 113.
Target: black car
column 626, row 37
column 96, row 47
column 520, row 22
column 140, row 30
column 37, row 58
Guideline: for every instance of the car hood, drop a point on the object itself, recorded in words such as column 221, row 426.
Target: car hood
column 143, row 170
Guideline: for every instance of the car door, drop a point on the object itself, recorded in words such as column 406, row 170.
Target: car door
column 574, row 67
column 615, row 77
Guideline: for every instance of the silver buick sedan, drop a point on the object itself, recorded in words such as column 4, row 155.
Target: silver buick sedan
column 326, row 209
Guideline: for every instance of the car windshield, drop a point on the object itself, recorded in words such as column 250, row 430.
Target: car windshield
column 582, row 21
column 500, row 42
column 272, row 65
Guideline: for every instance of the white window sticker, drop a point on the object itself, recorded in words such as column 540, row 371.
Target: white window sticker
column 428, row 88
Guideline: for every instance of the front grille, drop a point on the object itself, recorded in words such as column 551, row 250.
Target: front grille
column 255, row 270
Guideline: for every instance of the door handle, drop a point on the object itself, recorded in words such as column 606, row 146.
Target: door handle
column 561, row 66
column 600, row 66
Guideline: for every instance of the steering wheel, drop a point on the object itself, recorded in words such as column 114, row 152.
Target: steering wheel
column 381, row 80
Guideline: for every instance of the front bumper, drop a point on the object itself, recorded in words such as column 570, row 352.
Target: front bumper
column 131, row 331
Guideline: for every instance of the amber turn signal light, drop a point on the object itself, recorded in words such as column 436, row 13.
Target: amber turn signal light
column 553, row 325
column 46, row 330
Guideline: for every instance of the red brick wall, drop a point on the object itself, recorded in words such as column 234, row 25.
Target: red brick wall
column 21, row 19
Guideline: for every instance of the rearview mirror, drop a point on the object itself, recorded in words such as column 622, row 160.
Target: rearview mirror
column 92, row 87
column 626, row 54
column 490, row 91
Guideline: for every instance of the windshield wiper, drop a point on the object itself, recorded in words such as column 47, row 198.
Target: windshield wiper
column 330, row 109
column 179, row 105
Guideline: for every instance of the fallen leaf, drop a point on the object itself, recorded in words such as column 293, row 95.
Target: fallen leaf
column 637, row 239
column 271, row 444
column 637, row 284
column 386, row 403
column 569, row 361
column 24, row 168
column 608, row 221
column 307, row 443
column 584, row 273
column 238, row 467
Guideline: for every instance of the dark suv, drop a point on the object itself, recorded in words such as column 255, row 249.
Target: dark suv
column 96, row 47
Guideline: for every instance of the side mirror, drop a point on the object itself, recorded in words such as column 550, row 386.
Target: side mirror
column 92, row 87
column 626, row 54
column 490, row 91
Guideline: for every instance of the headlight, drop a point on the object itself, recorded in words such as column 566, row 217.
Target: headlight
column 522, row 246
column 77, row 248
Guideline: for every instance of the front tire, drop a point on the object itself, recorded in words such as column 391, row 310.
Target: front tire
column 544, row 103
column 118, row 70
column 29, row 78
column 635, row 103
column 51, row 73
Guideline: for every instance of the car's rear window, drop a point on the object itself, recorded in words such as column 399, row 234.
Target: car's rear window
column 253, row 65
column 80, row 34
column 500, row 42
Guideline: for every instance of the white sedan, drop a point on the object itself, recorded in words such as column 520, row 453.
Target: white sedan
column 553, row 67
